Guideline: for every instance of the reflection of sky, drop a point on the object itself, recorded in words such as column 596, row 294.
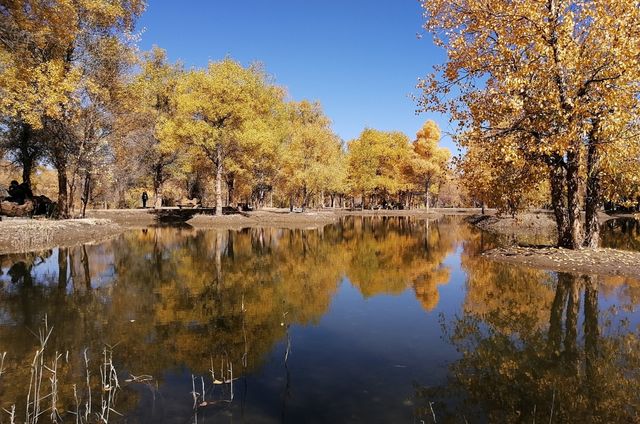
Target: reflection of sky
column 45, row 270
column 616, row 307
column 451, row 294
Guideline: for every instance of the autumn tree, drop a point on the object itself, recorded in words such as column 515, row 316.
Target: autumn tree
column 24, row 150
column 557, row 77
column 496, row 177
column 54, row 56
column 254, row 170
column 375, row 163
column 428, row 163
column 338, row 186
column 149, row 103
column 309, row 153
column 212, row 109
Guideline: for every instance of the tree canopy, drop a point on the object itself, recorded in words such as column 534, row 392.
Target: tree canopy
column 545, row 89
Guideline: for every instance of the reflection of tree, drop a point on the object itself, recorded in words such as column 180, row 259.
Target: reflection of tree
column 622, row 233
column 390, row 255
column 20, row 266
column 626, row 289
column 182, row 298
column 513, row 371
column 504, row 293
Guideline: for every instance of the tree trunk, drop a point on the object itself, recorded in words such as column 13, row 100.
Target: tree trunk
column 573, row 199
column 27, row 169
column 63, row 206
column 72, row 193
column 122, row 203
column 86, row 191
column 26, row 155
column 230, row 180
column 558, row 184
column 427, row 186
column 593, row 200
column 157, row 186
column 218, row 181
column 304, row 198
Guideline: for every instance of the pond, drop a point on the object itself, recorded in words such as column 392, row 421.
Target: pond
column 368, row 320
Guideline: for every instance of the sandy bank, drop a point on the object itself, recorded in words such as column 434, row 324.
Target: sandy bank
column 584, row 261
column 26, row 235
column 128, row 218
column 528, row 228
column 18, row 236
column 266, row 218
column 416, row 213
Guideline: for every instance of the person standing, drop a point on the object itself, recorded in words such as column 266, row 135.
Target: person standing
column 145, row 197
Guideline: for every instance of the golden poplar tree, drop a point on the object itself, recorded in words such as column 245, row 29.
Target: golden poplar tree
column 428, row 164
column 558, row 78
column 149, row 103
column 213, row 109
column 310, row 154
column 375, row 163
column 58, row 58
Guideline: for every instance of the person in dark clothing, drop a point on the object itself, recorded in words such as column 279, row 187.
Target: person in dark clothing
column 26, row 190
column 18, row 193
column 145, row 197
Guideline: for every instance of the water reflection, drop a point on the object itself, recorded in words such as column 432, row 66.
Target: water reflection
column 580, row 365
column 336, row 324
column 622, row 233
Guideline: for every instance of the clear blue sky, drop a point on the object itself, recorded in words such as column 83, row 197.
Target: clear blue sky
column 360, row 59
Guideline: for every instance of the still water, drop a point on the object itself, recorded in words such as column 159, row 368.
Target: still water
column 369, row 320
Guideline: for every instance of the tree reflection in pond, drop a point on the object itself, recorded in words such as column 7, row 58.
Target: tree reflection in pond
column 353, row 306
column 622, row 233
column 580, row 367
column 178, row 298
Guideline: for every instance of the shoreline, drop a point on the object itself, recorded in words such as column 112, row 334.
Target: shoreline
column 601, row 261
column 532, row 238
column 28, row 235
